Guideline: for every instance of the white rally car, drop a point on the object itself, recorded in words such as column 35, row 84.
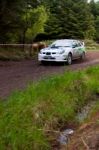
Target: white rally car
column 63, row 51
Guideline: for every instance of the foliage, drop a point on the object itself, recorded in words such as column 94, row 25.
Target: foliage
column 19, row 16
column 21, row 20
column 38, row 26
column 33, row 23
column 73, row 20
column 97, row 28
column 95, row 11
column 10, row 13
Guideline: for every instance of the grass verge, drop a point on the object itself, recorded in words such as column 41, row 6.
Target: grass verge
column 49, row 104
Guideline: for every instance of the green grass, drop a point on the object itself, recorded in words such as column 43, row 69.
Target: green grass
column 46, row 105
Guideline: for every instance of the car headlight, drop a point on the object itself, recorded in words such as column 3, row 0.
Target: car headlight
column 63, row 51
column 40, row 52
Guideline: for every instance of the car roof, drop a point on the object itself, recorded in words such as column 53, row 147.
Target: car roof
column 64, row 42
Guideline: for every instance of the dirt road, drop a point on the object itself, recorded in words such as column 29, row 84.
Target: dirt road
column 17, row 74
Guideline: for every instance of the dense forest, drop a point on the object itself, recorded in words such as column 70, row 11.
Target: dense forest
column 25, row 21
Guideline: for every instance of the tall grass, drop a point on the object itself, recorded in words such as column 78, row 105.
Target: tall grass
column 46, row 105
column 91, row 45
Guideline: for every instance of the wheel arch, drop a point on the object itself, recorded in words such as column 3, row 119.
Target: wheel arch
column 70, row 53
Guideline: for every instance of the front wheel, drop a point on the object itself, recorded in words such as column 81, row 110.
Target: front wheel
column 44, row 63
column 69, row 59
column 82, row 56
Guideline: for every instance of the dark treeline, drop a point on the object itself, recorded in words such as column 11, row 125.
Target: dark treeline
column 24, row 21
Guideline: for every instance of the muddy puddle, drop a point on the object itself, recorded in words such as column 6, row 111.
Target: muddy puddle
column 65, row 135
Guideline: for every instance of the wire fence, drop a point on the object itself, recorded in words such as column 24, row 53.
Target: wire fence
column 18, row 51
column 19, row 47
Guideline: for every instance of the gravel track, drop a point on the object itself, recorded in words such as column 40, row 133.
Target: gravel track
column 16, row 75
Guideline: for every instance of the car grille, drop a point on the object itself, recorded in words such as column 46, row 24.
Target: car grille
column 48, row 53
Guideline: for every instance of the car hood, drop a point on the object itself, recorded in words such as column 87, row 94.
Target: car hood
column 57, row 50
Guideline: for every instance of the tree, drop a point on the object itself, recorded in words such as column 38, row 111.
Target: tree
column 18, row 20
column 70, row 19
column 22, row 20
column 33, row 23
column 97, row 28
column 94, row 6
column 10, row 12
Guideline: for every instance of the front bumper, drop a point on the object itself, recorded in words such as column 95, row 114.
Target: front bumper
column 56, row 58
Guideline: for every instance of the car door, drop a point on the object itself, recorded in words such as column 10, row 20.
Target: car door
column 75, row 50
column 80, row 48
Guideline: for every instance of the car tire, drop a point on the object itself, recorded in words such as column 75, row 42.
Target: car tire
column 44, row 63
column 82, row 56
column 69, row 59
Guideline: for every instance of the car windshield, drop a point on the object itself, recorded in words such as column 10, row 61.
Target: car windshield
column 60, row 44
column 55, row 46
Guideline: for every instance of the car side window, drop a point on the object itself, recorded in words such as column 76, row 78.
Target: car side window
column 79, row 44
column 75, row 45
